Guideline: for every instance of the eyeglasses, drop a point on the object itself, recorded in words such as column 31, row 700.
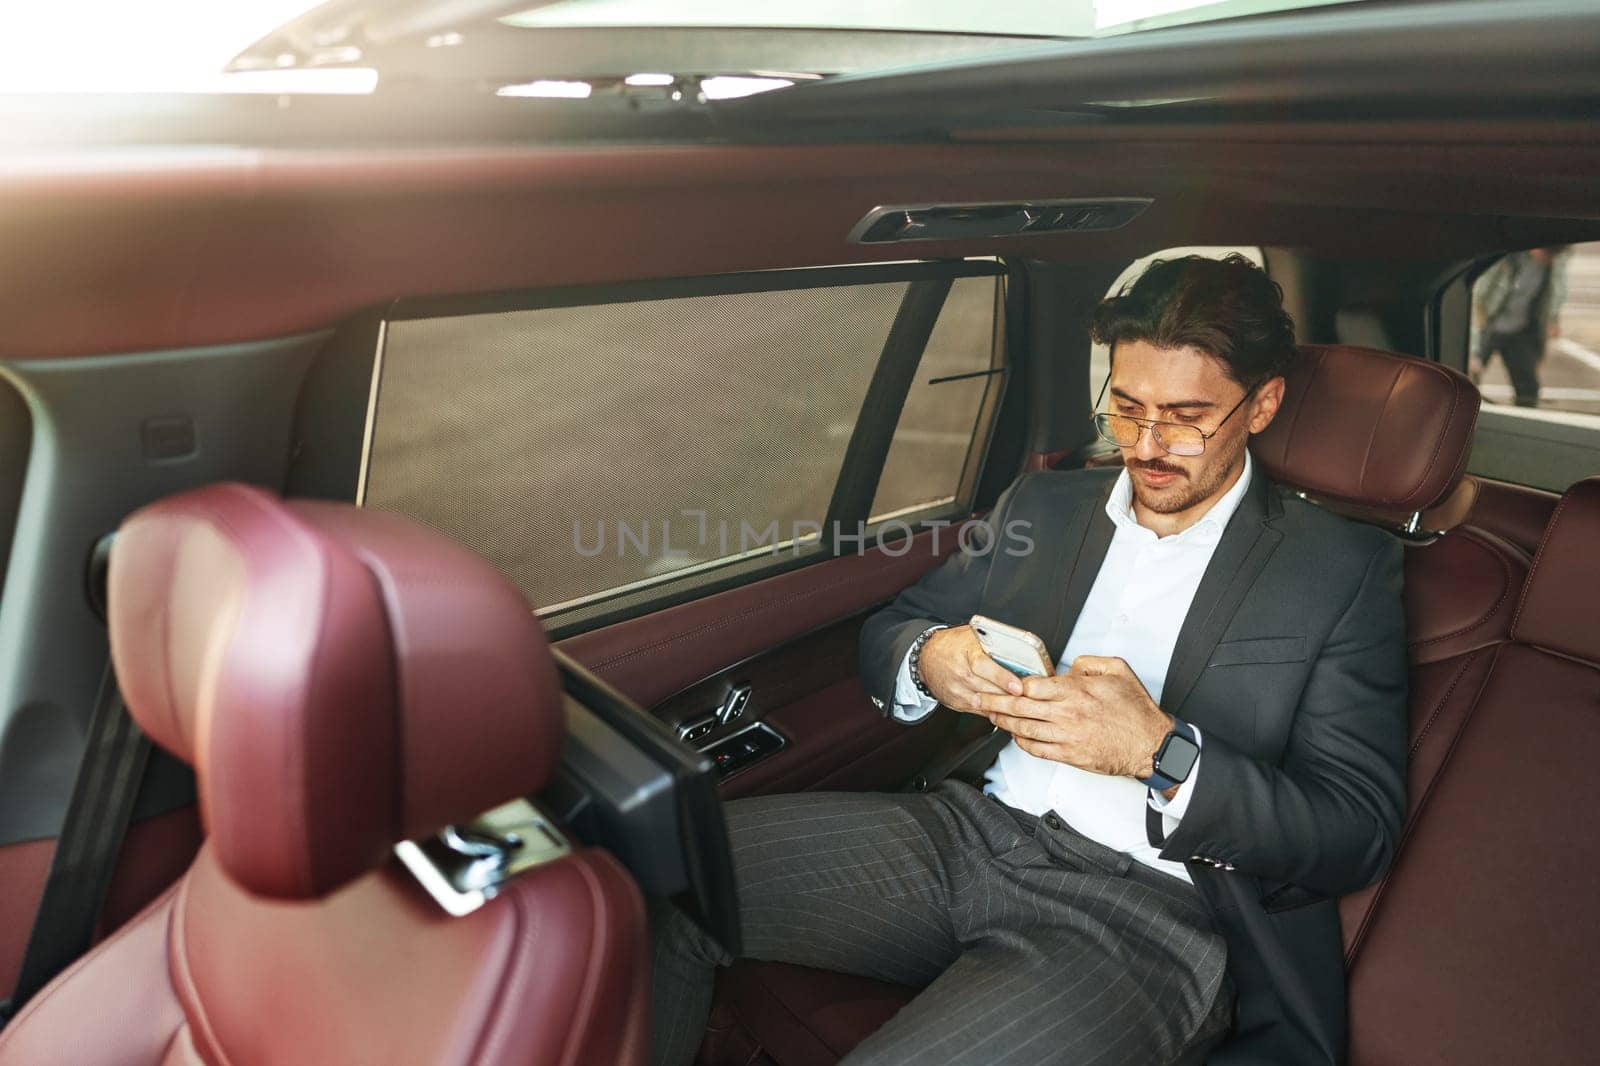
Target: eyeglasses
column 1174, row 438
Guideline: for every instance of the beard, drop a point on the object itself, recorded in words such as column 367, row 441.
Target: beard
column 1189, row 488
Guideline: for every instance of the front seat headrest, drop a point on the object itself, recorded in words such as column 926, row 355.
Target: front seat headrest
column 340, row 679
column 1371, row 428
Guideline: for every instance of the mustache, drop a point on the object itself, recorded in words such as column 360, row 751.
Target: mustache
column 1156, row 466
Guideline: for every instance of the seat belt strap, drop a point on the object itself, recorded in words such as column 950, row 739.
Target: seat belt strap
column 974, row 755
column 98, row 814
column 1155, row 830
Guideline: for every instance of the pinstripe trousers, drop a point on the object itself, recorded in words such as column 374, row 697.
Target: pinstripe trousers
column 1031, row 942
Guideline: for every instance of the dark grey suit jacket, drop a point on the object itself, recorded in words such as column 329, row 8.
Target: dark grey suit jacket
column 1291, row 660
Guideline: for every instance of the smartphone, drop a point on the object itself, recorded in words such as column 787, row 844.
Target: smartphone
column 1015, row 649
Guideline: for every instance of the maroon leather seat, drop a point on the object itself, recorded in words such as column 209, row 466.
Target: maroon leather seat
column 341, row 680
column 1366, row 432
column 1461, row 593
column 1479, row 946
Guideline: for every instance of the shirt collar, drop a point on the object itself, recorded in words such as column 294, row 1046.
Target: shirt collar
column 1119, row 508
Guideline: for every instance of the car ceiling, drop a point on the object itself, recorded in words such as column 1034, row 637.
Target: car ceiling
column 131, row 224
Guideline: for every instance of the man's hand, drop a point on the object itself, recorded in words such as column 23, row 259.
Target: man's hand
column 1097, row 717
column 958, row 671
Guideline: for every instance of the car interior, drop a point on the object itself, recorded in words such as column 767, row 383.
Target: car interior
column 439, row 476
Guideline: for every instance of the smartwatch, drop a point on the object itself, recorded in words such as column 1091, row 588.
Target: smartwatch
column 1175, row 758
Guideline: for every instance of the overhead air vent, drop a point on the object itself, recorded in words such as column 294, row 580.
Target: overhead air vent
column 955, row 222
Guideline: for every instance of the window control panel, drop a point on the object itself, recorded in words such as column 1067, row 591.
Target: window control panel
column 693, row 731
column 745, row 747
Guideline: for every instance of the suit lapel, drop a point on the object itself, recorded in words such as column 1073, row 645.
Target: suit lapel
column 1084, row 550
column 1247, row 543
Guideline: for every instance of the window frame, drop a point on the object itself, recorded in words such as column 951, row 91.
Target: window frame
column 863, row 462
column 1568, row 448
column 1000, row 371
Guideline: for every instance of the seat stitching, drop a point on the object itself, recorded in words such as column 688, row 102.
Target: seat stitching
column 1422, row 366
column 1460, row 469
column 1455, row 402
column 1409, row 830
column 1438, row 707
column 180, row 962
column 1505, row 592
column 238, row 540
column 1372, row 437
column 1300, row 405
column 1544, row 542
column 584, row 1010
column 525, row 930
column 1438, row 444
column 297, row 758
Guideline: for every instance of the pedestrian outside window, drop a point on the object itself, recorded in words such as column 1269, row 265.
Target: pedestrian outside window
column 1536, row 330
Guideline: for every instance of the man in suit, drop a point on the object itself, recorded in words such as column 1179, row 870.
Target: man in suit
column 1153, row 860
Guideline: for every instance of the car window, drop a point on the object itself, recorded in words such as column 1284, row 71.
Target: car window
column 931, row 459
column 1536, row 330
column 1534, row 352
column 593, row 449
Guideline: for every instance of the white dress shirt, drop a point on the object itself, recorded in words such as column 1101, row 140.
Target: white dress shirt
column 1134, row 610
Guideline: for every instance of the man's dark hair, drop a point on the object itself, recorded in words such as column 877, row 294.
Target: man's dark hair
column 1227, row 308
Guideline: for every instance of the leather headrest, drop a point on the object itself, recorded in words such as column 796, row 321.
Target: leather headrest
column 340, row 679
column 1370, row 427
column 1560, row 607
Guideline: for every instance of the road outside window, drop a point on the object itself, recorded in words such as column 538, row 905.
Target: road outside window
column 1536, row 330
column 593, row 450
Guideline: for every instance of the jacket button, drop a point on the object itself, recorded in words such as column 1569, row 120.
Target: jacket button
column 1051, row 821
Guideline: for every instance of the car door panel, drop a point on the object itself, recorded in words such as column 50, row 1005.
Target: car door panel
column 839, row 741
column 792, row 637
column 807, row 690
column 653, row 656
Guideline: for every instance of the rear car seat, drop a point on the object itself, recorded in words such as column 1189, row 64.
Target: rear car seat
column 1361, row 423
column 1480, row 945
column 1461, row 592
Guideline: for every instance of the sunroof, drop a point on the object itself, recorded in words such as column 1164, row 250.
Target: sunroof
column 1029, row 18
column 1034, row 18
